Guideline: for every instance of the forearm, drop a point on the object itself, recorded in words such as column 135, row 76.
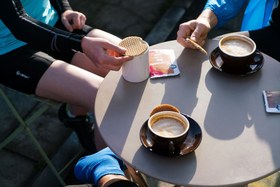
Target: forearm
column 208, row 16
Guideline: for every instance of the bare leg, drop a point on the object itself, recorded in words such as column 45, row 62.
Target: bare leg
column 75, row 86
column 67, row 83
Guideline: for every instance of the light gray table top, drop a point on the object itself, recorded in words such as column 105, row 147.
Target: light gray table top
column 240, row 141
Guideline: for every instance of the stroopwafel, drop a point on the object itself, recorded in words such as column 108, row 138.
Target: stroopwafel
column 135, row 45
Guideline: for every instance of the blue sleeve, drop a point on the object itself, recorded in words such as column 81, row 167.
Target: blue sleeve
column 92, row 168
column 225, row 9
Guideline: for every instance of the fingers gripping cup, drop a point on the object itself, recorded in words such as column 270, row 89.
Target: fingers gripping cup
column 137, row 69
column 168, row 129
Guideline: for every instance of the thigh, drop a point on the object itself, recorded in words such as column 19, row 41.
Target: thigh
column 97, row 33
column 67, row 83
column 21, row 69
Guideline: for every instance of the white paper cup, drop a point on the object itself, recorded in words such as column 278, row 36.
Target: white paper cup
column 137, row 69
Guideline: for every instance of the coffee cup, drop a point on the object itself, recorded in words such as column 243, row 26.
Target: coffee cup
column 168, row 131
column 137, row 69
column 237, row 52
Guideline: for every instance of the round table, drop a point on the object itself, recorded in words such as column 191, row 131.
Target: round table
column 240, row 141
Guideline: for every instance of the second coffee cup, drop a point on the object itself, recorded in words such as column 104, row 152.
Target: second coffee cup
column 168, row 130
column 237, row 52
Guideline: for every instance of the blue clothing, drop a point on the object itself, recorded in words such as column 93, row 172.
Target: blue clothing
column 257, row 14
column 92, row 167
column 40, row 10
column 225, row 9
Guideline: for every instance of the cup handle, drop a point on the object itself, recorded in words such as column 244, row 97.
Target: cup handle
column 171, row 148
column 258, row 57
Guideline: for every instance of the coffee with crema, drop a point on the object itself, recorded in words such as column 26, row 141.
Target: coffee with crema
column 168, row 127
column 168, row 131
column 236, row 47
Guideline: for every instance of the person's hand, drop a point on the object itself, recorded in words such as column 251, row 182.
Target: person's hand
column 104, row 53
column 197, row 30
column 73, row 20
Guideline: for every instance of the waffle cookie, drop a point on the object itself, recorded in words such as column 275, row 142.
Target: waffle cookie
column 134, row 45
column 197, row 46
column 164, row 107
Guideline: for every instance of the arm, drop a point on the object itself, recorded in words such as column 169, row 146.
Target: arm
column 224, row 9
column 197, row 29
column 71, row 19
column 43, row 36
column 215, row 12
column 36, row 33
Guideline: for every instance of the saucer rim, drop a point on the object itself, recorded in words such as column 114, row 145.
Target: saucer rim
column 194, row 146
column 214, row 64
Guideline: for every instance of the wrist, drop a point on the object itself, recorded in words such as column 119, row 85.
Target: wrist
column 208, row 16
column 83, row 42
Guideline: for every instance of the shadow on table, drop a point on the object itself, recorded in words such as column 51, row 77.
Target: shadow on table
column 122, row 95
column 248, row 105
column 188, row 82
column 186, row 163
column 241, row 88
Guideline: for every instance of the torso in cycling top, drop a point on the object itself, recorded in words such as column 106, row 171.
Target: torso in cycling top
column 32, row 21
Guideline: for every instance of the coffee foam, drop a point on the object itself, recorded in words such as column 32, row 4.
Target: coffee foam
column 134, row 45
column 237, row 47
column 168, row 124
column 168, row 127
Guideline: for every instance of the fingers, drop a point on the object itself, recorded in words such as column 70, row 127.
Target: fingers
column 73, row 20
column 195, row 30
column 66, row 24
column 114, row 59
column 113, row 63
column 119, row 51
column 78, row 21
column 183, row 33
column 189, row 30
column 104, row 54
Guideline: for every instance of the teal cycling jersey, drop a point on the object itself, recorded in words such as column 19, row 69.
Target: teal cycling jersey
column 32, row 22
column 41, row 10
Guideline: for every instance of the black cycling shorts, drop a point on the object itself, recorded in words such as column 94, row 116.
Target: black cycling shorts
column 22, row 68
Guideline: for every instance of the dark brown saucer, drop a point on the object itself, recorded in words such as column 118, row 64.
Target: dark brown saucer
column 192, row 141
column 217, row 62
